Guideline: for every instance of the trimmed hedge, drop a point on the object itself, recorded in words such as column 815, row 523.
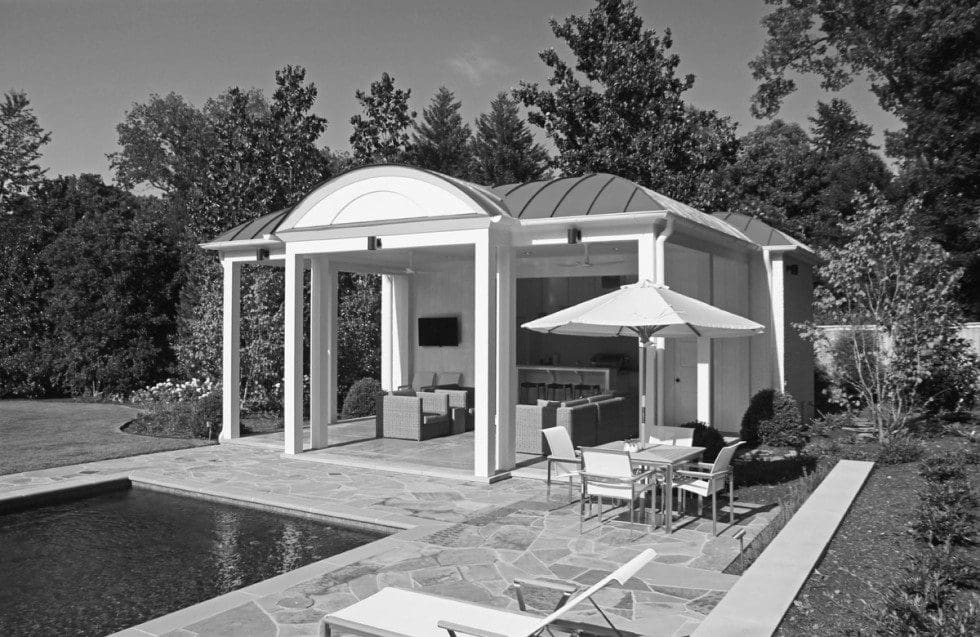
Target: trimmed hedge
column 361, row 399
column 760, row 409
column 181, row 419
column 785, row 428
column 707, row 437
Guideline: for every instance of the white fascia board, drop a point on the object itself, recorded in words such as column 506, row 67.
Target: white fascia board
column 222, row 246
column 400, row 226
column 618, row 227
column 391, row 241
column 797, row 252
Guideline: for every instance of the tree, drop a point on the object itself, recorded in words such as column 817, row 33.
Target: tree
column 895, row 291
column 114, row 281
column 504, row 151
column 358, row 329
column 805, row 184
column 619, row 108
column 442, row 140
column 21, row 139
column 381, row 133
column 922, row 61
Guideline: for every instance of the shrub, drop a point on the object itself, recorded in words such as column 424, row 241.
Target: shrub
column 899, row 451
column 785, row 428
column 940, row 469
column 181, row 419
column 822, row 448
column 946, row 515
column 926, row 601
column 708, row 437
column 760, row 408
column 361, row 398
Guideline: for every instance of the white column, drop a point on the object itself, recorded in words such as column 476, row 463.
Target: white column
column 506, row 357
column 705, row 391
column 777, row 297
column 387, row 328
column 293, row 376
column 647, row 268
column 396, row 336
column 484, row 357
column 323, row 349
column 231, row 349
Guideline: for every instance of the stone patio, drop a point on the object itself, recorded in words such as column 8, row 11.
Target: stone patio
column 453, row 538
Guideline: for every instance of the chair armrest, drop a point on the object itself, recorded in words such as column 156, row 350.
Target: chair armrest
column 565, row 589
column 557, row 459
column 561, row 587
column 454, row 629
column 702, row 474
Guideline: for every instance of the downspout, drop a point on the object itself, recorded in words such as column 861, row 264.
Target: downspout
column 659, row 343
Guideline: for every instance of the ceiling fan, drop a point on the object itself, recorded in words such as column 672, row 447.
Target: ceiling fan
column 588, row 262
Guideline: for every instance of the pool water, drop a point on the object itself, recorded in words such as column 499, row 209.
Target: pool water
column 100, row 564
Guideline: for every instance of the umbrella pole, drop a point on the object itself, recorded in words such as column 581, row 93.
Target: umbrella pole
column 643, row 390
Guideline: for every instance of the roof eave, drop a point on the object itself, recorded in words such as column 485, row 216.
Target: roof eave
column 242, row 244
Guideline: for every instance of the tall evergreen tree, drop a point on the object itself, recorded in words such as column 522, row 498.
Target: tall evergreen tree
column 504, row 150
column 21, row 139
column 618, row 108
column 442, row 140
column 381, row 132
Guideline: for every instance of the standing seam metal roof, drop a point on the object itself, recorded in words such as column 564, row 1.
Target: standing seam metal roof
column 588, row 195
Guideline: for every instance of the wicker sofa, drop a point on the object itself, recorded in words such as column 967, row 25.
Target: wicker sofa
column 590, row 422
column 419, row 417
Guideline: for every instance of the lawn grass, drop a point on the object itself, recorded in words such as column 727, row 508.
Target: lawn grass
column 39, row 434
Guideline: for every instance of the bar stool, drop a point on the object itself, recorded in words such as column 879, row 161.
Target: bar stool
column 563, row 386
column 584, row 389
column 534, row 386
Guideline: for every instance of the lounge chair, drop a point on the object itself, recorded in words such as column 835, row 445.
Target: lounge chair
column 397, row 612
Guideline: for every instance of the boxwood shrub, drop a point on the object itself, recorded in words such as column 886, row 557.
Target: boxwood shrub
column 708, row 437
column 361, row 398
column 760, row 409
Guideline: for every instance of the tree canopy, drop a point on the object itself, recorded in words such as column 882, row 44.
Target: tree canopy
column 21, row 139
column 441, row 141
column 504, row 150
column 619, row 108
column 921, row 59
column 381, row 130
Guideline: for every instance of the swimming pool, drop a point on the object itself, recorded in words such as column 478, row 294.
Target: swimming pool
column 99, row 564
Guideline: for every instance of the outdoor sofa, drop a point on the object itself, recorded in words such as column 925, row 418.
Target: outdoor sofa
column 590, row 421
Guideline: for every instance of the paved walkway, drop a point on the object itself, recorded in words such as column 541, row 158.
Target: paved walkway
column 464, row 540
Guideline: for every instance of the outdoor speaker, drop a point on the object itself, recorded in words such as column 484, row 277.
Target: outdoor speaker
column 574, row 235
column 793, row 269
column 262, row 255
column 374, row 243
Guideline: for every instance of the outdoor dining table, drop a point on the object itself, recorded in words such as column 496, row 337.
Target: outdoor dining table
column 665, row 456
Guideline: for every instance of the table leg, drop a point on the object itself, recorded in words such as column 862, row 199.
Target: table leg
column 669, row 505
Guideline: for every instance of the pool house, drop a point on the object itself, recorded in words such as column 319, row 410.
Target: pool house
column 462, row 266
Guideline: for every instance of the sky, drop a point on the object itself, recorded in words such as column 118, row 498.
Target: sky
column 84, row 63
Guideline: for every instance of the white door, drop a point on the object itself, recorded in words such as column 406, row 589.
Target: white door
column 680, row 370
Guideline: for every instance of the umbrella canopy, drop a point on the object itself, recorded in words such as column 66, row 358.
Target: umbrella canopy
column 645, row 310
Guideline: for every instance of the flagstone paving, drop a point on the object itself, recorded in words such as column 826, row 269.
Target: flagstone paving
column 471, row 541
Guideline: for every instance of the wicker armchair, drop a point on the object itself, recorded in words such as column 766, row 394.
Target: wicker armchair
column 529, row 421
column 420, row 417
column 461, row 406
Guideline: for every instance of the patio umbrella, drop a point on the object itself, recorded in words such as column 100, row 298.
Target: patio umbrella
column 645, row 310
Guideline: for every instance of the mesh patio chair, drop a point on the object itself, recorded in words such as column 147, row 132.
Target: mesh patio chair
column 564, row 461
column 609, row 474
column 708, row 479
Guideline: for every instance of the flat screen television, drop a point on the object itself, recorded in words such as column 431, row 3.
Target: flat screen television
column 438, row 331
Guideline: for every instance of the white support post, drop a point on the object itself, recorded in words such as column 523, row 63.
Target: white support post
column 648, row 267
column 506, row 355
column 293, row 377
column 323, row 350
column 396, row 336
column 777, row 297
column 484, row 356
column 705, row 391
column 231, row 349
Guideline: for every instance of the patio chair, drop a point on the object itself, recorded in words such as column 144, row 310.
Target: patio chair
column 397, row 611
column 419, row 417
column 563, row 457
column 609, row 473
column 420, row 381
column 708, row 479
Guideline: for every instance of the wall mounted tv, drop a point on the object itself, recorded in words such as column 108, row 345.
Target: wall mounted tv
column 438, row 331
